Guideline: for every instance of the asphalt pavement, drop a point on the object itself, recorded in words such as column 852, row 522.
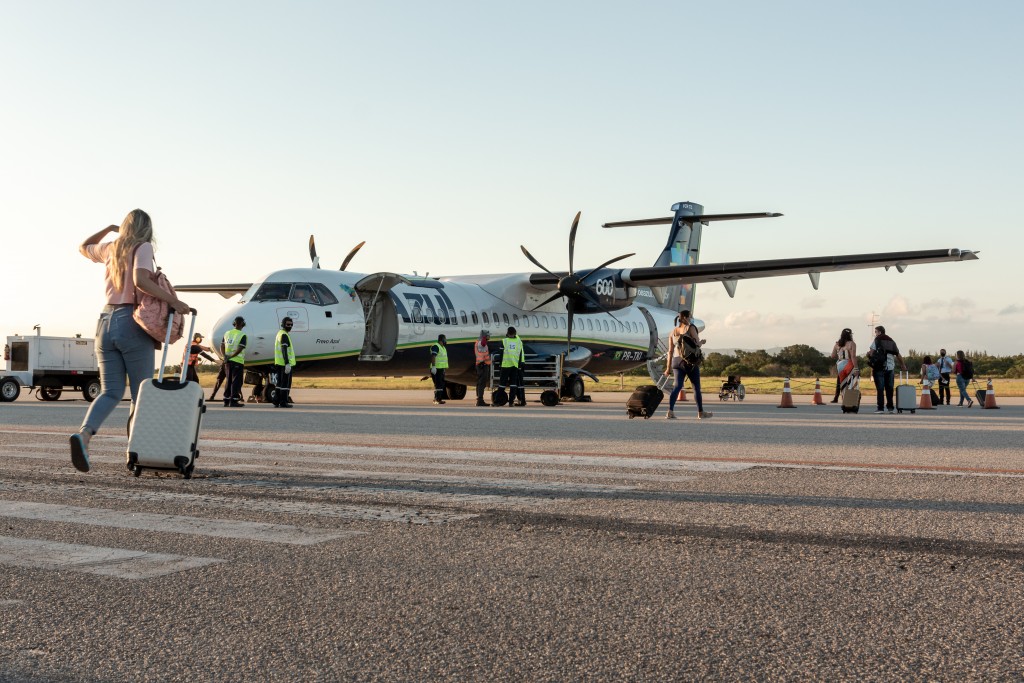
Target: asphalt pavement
column 370, row 535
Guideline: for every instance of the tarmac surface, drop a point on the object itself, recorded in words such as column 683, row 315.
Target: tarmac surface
column 369, row 535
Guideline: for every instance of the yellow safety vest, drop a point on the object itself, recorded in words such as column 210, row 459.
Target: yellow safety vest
column 513, row 354
column 278, row 355
column 441, row 359
column 232, row 338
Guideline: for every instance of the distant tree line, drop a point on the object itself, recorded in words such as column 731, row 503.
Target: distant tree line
column 800, row 360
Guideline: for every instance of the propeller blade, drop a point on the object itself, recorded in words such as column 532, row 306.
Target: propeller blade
column 551, row 298
column 592, row 299
column 535, row 261
column 312, row 253
column 572, row 239
column 605, row 264
column 344, row 264
column 568, row 337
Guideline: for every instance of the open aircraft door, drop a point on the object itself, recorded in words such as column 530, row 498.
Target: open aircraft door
column 380, row 315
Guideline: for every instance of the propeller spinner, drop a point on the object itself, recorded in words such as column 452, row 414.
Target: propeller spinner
column 573, row 286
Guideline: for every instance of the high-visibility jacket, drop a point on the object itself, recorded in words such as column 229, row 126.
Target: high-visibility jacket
column 440, row 356
column 232, row 340
column 483, row 352
column 512, row 352
column 279, row 353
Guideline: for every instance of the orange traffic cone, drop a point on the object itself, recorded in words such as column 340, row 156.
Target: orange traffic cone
column 682, row 392
column 926, row 398
column 787, row 396
column 990, row 397
column 816, row 401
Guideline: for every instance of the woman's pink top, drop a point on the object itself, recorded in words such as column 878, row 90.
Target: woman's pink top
column 104, row 252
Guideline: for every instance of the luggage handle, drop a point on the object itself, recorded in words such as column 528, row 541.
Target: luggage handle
column 167, row 344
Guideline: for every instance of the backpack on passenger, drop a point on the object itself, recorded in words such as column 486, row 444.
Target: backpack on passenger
column 967, row 369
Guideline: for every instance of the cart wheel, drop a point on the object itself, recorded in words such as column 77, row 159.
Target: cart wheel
column 49, row 393
column 630, row 415
column 9, row 390
column 549, row 397
column 499, row 397
column 92, row 390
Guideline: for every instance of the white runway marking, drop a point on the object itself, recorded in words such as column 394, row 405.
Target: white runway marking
column 123, row 564
column 10, row 603
column 178, row 524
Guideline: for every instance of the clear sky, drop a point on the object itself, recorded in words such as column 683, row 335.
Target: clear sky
column 446, row 134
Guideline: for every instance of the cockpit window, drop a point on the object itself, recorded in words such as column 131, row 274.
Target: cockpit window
column 326, row 298
column 304, row 294
column 273, row 291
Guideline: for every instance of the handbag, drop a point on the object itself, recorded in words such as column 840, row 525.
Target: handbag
column 152, row 314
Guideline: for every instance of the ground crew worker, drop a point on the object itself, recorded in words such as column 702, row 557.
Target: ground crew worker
column 284, row 361
column 512, row 359
column 483, row 366
column 233, row 348
column 438, row 364
column 194, row 351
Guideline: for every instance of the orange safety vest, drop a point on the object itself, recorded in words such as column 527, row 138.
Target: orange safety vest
column 483, row 353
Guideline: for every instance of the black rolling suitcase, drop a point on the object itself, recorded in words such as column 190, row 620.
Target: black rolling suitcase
column 644, row 401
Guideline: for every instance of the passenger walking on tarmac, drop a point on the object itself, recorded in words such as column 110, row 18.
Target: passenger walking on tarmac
column 221, row 374
column 964, row 374
column 284, row 361
column 930, row 379
column 483, row 366
column 844, row 352
column 684, row 359
column 233, row 350
column 946, row 365
column 512, row 359
column 882, row 355
column 123, row 347
column 438, row 365
column 195, row 350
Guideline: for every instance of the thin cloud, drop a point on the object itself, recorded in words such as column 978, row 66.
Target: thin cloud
column 1012, row 309
column 812, row 302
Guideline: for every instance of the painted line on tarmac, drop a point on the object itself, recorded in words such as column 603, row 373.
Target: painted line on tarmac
column 423, row 497
column 10, row 603
column 177, row 524
column 116, row 562
column 540, row 458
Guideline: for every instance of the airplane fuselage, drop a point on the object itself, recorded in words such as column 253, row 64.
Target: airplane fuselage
column 386, row 328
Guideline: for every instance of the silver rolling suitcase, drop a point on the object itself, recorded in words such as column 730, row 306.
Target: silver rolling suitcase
column 164, row 430
column 906, row 394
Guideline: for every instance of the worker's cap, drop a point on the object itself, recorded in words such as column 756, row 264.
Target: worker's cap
column 485, row 333
column 198, row 337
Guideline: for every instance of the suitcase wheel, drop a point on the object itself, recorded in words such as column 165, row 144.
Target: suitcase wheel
column 631, row 415
column 137, row 471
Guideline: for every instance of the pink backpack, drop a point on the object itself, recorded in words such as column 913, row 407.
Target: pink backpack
column 151, row 313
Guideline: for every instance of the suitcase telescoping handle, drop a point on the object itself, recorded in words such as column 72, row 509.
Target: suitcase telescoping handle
column 167, row 344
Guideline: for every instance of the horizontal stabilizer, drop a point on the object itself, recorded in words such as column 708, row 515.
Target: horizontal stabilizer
column 706, row 218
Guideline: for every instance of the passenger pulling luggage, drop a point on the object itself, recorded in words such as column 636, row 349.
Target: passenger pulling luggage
column 164, row 430
column 644, row 401
column 906, row 394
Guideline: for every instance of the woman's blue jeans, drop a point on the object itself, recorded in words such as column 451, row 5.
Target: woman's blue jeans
column 961, row 384
column 693, row 373
column 125, row 352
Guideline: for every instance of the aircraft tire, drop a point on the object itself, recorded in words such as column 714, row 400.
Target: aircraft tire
column 455, row 392
column 499, row 397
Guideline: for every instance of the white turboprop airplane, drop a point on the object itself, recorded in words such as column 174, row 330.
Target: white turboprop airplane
column 611, row 320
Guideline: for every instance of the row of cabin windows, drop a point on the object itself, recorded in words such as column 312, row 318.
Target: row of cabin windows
column 318, row 295
column 530, row 321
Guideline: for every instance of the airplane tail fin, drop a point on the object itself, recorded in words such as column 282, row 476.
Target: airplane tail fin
column 682, row 248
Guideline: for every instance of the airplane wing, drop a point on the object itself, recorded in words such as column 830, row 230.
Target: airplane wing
column 729, row 273
column 226, row 291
